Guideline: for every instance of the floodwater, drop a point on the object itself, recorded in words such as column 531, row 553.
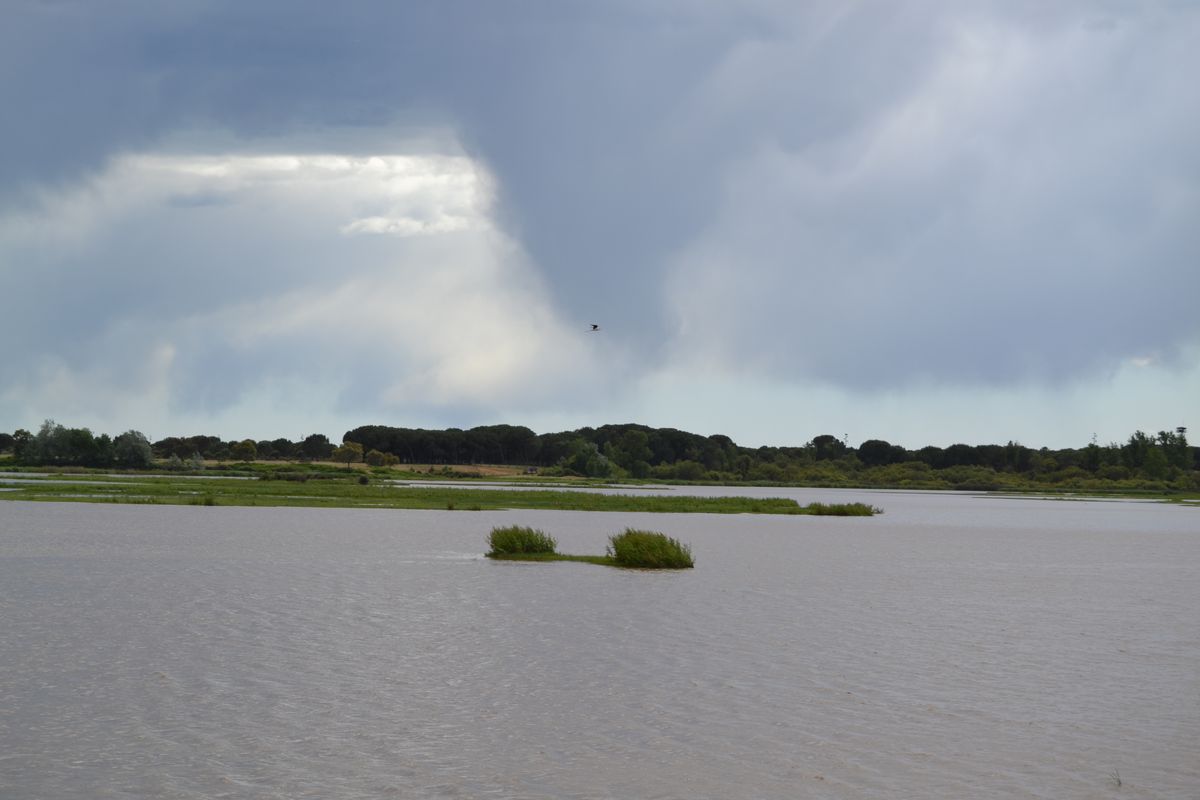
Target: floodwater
column 956, row 646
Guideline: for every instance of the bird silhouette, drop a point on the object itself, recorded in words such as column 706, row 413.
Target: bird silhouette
column 595, row 328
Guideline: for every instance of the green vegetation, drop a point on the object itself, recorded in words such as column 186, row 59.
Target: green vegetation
column 649, row 550
column 519, row 539
column 348, row 453
column 1163, row 464
column 321, row 489
column 842, row 510
column 633, row 549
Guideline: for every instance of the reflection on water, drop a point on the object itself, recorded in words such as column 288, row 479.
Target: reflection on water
column 953, row 647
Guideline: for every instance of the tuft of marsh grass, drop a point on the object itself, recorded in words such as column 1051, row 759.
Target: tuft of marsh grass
column 841, row 510
column 515, row 539
column 649, row 550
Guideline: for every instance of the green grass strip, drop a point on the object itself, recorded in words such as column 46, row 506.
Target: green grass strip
column 349, row 493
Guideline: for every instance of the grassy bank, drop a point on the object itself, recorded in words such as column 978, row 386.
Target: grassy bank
column 348, row 492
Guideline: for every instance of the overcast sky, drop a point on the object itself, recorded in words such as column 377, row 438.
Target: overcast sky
column 924, row 222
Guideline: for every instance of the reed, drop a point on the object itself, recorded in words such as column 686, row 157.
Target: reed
column 519, row 540
column 841, row 510
column 649, row 550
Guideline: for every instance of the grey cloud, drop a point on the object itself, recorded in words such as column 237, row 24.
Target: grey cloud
column 1039, row 234
column 640, row 147
column 199, row 199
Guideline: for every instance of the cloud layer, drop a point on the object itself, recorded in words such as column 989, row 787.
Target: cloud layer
column 215, row 211
column 188, row 284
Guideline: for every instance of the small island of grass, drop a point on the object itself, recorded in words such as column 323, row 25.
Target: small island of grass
column 841, row 510
column 632, row 549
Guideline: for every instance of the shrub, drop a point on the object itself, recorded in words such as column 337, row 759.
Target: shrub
column 649, row 550
column 842, row 509
column 519, row 539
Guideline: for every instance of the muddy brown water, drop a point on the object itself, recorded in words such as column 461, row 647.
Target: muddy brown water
column 956, row 646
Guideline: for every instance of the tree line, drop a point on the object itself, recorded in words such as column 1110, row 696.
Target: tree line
column 639, row 451
column 1161, row 460
column 57, row 445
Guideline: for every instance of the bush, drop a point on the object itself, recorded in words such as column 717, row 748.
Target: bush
column 842, row 509
column 649, row 550
column 519, row 539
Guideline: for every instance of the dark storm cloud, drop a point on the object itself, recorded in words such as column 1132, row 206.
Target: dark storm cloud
column 566, row 104
column 859, row 193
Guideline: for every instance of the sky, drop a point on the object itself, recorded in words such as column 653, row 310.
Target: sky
column 922, row 222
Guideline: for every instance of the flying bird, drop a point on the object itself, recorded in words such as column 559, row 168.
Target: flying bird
column 595, row 328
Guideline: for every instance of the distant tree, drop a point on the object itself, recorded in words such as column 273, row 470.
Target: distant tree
column 1135, row 451
column 689, row 470
column 742, row 465
column 173, row 446
column 21, row 441
column 56, row 444
column 6, row 442
column 209, row 446
column 1043, row 463
column 1156, row 465
column 878, row 453
column 716, row 453
column 1175, row 447
column 768, row 471
column 586, row 459
column 828, row 447
column 316, row 447
column 1017, row 457
column 47, row 445
column 348, row 453
column 378, row 458
column 245, row 450
column 631, row 447
column 131, row 450
column 959, row 455
column 285, row 448
column 103, row 453
column 80, row 447
column 931, row 455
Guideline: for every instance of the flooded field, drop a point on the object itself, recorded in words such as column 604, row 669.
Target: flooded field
column 956, row 646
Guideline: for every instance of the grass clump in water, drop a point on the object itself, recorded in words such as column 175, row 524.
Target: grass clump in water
column 842, row 510
column 649, row 550
column 519, row 539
